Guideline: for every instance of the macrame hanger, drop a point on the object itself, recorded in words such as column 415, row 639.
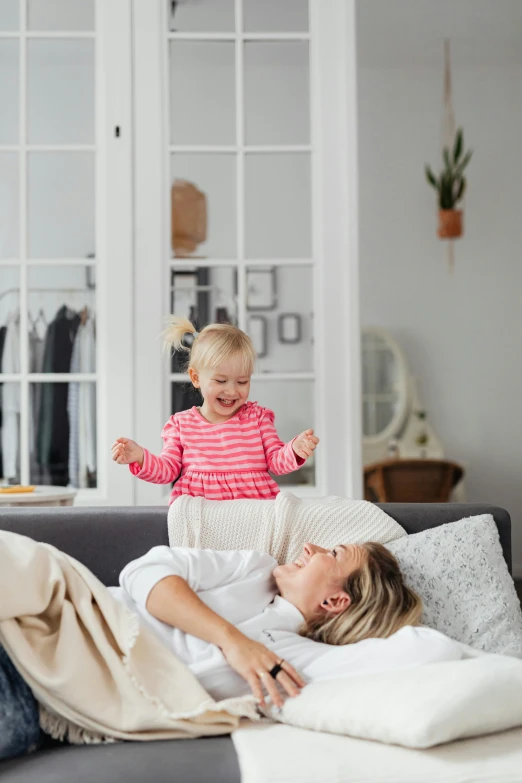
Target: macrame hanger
column 448, row 127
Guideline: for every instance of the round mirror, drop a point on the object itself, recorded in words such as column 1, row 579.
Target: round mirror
column 384, row 386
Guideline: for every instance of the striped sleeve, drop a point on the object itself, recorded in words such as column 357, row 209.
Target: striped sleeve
column 166, row 467
column 280, row 457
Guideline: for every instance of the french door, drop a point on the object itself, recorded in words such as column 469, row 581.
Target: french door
column 244, row 210
column 65, row 242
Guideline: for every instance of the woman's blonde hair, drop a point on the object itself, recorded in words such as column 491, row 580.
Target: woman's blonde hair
column 380, row 603
column 213, row 345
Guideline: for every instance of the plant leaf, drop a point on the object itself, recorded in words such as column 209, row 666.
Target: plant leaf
column 463, row 163
column 446, row 192
column 446, row 156
column 459, row 143
column 431, row 178
column 460, row 190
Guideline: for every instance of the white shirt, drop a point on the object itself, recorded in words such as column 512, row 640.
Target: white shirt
column 239, row 586
column 11, row 399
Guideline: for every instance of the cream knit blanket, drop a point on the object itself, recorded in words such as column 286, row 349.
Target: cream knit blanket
column 97, row 673
column 279, row 527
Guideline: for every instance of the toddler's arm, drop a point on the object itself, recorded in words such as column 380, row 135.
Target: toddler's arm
column 165, row 467
column 280, row 457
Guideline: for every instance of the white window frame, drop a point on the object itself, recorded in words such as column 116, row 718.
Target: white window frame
column 336, row 372
column 113, row 239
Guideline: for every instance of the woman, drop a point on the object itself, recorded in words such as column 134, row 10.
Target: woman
column 238, row 620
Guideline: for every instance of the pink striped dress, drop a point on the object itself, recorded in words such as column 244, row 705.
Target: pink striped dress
column 224, row 461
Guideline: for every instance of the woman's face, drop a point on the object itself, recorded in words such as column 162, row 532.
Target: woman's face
column 314, row 581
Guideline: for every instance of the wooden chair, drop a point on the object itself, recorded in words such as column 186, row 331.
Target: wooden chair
column 411, row 480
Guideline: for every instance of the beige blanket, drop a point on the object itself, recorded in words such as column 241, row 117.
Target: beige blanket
column 279, row 527
column 97, row 674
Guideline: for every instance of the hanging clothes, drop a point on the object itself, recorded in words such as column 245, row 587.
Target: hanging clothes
column 81, row 408
column 183, row 395
column 36, row 357
column 53, row 426
column 11, row 400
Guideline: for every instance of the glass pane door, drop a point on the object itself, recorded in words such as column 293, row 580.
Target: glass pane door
column 48, row 247
column 238, row 231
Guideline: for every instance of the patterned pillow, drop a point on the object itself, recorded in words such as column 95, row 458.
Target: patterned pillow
column 460, row 573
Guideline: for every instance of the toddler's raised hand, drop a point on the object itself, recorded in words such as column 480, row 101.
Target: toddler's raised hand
column 305, row 443
column 125, row 451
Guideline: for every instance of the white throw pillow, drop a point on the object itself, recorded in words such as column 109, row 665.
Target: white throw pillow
column 418, row 707
column 460, row 573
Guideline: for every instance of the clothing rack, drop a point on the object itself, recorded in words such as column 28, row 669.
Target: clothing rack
column 69, row 290
column 230, row 299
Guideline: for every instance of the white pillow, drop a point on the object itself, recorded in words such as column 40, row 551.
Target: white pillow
column 460, row 573
column 417, row 707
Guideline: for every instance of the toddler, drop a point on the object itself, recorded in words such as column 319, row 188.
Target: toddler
column 224, row 449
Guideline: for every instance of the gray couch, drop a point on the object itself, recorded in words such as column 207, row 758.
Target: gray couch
column 105, row 539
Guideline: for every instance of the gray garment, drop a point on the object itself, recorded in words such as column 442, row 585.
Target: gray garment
column 36, row 361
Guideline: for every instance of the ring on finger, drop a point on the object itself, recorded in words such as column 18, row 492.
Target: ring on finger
column 261, row 675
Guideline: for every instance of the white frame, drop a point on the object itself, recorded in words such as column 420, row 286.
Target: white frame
column 264, row 297
column 113, row 233
column 334, row 231
column 403, row 401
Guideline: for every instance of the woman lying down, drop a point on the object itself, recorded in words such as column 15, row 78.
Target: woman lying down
column 239, row 620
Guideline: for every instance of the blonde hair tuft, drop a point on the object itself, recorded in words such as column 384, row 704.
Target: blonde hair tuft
column 177, row 328
column 212, row 346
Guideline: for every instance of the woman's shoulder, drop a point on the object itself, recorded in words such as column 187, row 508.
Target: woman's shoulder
column 252, row 411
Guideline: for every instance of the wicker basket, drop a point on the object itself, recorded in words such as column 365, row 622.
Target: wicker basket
column 189, row 217
column 450, row 223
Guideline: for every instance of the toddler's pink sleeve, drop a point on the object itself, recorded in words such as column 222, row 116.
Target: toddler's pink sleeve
column 280, row 457
column 166, row 467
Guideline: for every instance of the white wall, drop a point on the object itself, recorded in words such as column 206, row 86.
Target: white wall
column 461, row 332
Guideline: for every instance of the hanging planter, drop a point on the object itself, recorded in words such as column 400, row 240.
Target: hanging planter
column 450, row 187
column 450, row 224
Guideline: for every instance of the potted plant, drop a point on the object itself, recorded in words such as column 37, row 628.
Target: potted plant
column 450, row 187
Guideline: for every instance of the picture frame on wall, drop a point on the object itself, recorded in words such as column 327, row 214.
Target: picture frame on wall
column 261, row 288
column 289, row 328
column 258, row 331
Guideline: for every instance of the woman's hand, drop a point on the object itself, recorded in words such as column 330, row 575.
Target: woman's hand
column 253, row 661
column 305, row 443
column 125, row 452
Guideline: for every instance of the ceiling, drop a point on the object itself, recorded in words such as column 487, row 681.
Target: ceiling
column 405, row 33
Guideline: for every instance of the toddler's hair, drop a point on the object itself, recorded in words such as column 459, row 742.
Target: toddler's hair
column 215, row 344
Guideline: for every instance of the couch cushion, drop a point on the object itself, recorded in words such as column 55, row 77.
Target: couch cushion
column 209, row 760
column 106, row 539
column 417, row 707
column 103, row 539
column 459, row 572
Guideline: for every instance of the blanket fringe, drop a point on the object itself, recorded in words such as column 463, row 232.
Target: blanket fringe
column 65, row 731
